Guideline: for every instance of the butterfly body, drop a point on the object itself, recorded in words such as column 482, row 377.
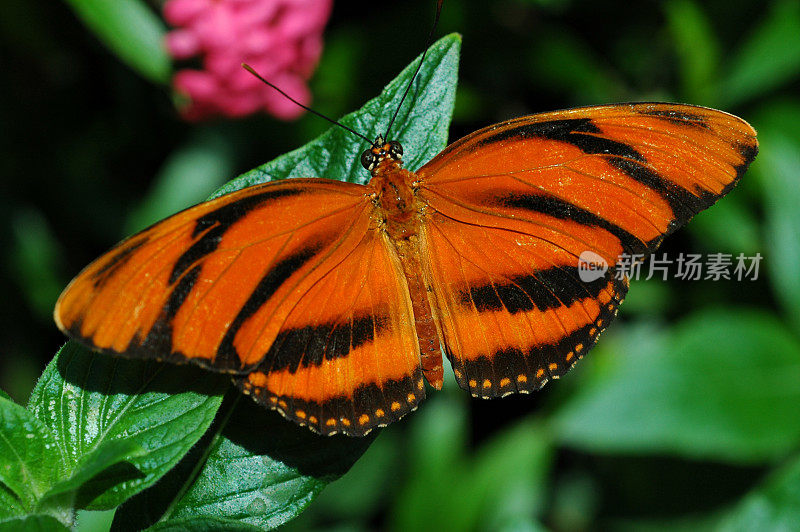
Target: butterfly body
column 400, row 213
column 331, row 302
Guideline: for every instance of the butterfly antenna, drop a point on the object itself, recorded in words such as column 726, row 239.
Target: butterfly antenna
column 310, row 110
column 421, row 60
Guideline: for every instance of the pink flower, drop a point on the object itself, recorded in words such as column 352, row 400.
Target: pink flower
column 280, row 39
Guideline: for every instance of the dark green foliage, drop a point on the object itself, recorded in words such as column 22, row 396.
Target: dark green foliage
column 713, row 398
column 682, row 417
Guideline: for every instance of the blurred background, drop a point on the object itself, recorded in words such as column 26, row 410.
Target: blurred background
column 683, row 417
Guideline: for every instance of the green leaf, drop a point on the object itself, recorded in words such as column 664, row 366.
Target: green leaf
column 34, row 259
column 93, row 521
column 4, row 395
column 33, row 523
column 110, row 453
column 779, row 129
column 29, row 459
column 768, row 58
column 499, row 486
column 436, row 465
column 782, row 196
column 691, row 523
column 721, row 385
column 367, row 485
column 204, row 524
column 773, row 506
column 261, row 469
column 421, row 126
column 131, row 30
column 652, row 297
column 10, row 505
column 697, row 49
column 507, row 488
column 89, row 399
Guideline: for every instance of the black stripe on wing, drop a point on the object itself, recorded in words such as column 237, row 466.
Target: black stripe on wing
column 541, row 290
column 584, row 134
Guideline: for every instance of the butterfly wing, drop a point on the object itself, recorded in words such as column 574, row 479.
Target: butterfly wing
column 255, row 282
column 514, row 311
column 347, row 357
column 512, row 208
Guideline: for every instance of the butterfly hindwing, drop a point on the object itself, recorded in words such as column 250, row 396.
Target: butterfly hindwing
column 512, row 208
column 347, row 357
column 515, row 312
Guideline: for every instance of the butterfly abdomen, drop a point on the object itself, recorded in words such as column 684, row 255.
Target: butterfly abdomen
column 400, row 215
column 424, row 322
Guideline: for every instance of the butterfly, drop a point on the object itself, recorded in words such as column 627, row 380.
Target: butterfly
column 332, row 302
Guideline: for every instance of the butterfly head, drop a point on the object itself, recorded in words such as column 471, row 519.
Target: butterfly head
column 382, row 152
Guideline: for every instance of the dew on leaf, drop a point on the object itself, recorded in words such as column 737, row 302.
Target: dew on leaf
column 257, row 506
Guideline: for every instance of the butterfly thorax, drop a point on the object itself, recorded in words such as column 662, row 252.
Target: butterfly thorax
column 392, row 188
column 393, row 192
column 395, row 199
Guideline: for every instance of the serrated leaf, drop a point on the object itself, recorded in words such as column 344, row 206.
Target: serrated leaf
column 33, row 523
column 722, row 384
column 269, row 473
column 131, row 30
column 421, row 126
column 261, row 470
column 109, row 453
column 204, row 524
column 29, row 460
column 88, row 399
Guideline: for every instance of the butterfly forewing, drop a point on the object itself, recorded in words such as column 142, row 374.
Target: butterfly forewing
column 637, row 170
column 513, row 207
column 213, row 283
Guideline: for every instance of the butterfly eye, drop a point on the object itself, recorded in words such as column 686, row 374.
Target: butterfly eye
column 368, row 159
column 395, row 149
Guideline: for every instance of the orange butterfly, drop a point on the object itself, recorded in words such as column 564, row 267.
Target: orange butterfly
column 329, row 301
